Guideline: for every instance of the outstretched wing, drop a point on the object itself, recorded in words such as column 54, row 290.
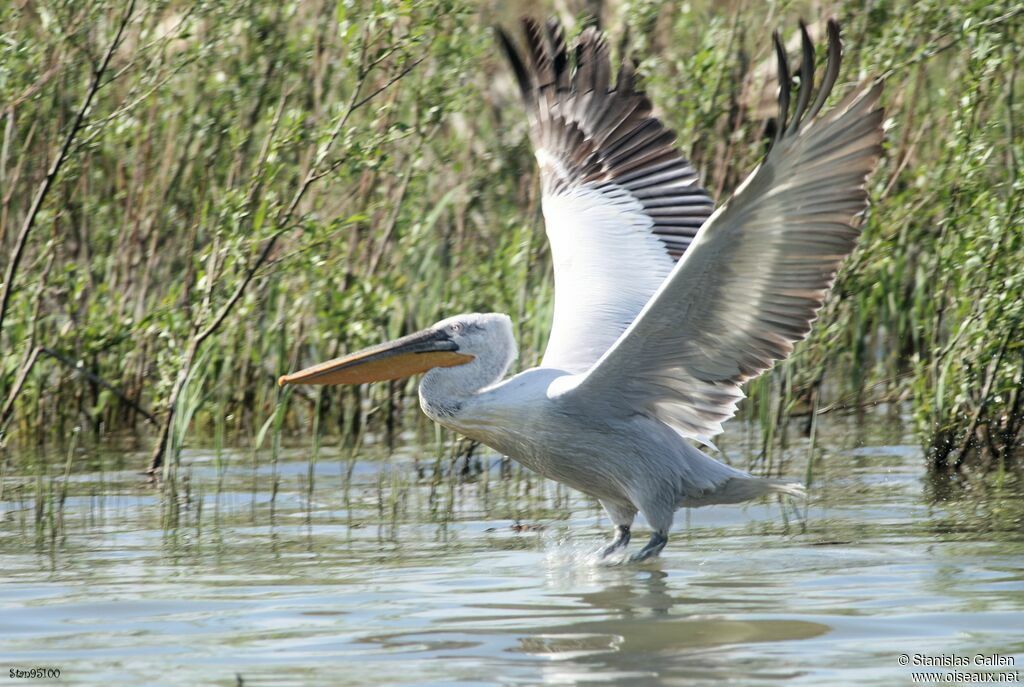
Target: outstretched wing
column 757, row 272
column 620, row 203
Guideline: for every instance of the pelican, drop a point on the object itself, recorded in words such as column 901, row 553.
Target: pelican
column 664, row 305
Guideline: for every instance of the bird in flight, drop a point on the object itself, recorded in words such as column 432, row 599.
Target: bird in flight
column 664, row 305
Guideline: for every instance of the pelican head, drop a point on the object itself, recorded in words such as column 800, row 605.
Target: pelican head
column 465, row 351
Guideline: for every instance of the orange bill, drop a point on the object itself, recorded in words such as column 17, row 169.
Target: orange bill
column 403, row 357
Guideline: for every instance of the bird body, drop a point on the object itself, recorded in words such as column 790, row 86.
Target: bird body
column 629, row 462
column 664, row 305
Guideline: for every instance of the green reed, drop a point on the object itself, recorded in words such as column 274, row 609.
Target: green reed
column 258, row 186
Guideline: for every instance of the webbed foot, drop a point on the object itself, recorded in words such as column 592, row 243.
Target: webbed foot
column 652, row 548
column 622, row 535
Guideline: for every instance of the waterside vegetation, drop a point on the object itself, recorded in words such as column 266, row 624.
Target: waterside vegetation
column 198, row 197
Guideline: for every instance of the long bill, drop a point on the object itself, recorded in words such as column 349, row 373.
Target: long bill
column 403, row 357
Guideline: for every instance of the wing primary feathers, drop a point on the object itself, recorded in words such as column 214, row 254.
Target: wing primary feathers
column 784, row 85
column 834, row 60
column 621, row 203
column 518, row 68
column 586, row 132
column 584, row 78
column 754, row 276
column 559, row 54
column 806, row 78
column 626, row 79
column 538, row 53
column 602, row 63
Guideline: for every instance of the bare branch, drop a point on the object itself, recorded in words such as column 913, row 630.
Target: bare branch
column 77, row 368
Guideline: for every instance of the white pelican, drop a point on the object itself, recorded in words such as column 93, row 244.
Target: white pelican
column 664, row 306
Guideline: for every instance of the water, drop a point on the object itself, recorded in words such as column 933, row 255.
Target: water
column 490, row 581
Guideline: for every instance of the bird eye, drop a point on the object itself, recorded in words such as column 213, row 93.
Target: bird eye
column 456, row 327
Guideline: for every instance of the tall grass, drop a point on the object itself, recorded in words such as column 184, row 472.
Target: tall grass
column 257, row 185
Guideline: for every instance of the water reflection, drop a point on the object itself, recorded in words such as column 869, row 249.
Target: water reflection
column 641, row 624
column 386, row 579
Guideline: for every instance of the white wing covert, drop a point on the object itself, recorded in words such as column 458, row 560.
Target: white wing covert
column 620, row 203
column 752, row 281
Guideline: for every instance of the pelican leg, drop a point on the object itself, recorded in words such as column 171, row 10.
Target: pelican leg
column 621, row 540
column 621, row 514
column 651, row 548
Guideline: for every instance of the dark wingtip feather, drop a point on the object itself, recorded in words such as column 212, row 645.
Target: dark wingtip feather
column 518, row 68
column 537, row 50
column 625, row 82
column 835, row 59
column 585, row 56
column 559, row 53
column 833, row 30
column 780, row 55
column 595, row 133
column 806, row 77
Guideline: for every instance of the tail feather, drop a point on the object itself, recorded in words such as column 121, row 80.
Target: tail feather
column 782, row 486
column 739, row 489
